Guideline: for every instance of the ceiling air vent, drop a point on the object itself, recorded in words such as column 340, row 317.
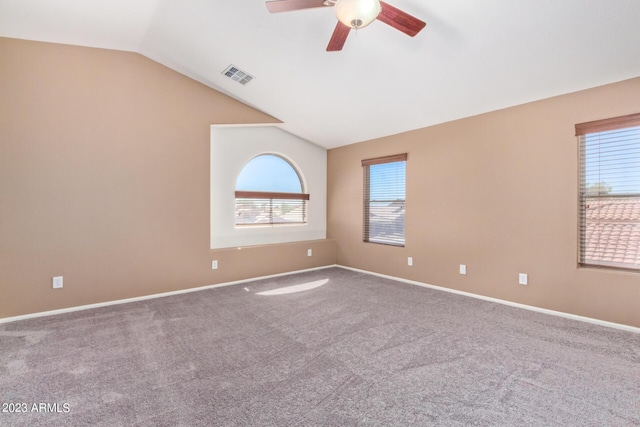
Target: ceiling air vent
column 238, row 75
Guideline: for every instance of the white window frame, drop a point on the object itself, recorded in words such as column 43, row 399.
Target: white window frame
column 393, row 231
column 270, row 200
column 604, row 240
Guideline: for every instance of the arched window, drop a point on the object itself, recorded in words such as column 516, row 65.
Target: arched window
column 269, row 190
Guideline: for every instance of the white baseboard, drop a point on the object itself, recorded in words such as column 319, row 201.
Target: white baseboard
column 399, row 279
column 504, row 302
column 152, row 296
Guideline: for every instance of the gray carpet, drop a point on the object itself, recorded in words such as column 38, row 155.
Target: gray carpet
column 359, row 350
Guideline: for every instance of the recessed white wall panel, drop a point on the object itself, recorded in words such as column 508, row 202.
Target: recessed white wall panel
column 231, row 148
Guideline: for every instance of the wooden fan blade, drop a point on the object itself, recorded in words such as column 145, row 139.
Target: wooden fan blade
column 338, row 38
column 400, row 20
column 277, row 6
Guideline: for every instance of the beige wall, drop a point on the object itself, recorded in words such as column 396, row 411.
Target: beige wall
column 104, row 179
column 497, row 192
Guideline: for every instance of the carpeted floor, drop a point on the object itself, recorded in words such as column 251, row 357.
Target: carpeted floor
column 358, row 350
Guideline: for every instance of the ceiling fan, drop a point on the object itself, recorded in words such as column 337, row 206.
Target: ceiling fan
column 353, row 14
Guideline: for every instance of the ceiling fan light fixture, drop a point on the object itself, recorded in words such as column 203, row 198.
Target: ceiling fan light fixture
column 357, row 13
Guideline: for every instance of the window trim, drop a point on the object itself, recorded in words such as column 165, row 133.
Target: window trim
column 367, row 196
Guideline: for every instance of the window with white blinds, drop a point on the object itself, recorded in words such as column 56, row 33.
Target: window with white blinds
column 384, row 199
column 609, row 200
column 269, row 190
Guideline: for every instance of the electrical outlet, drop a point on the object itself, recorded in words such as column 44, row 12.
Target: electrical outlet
column 57, row 282
column 410, row 261
column 214, row 264
column 463, row 269
column 309, row 252
column 523, row 278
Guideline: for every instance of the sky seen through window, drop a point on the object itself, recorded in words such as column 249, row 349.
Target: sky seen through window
column 269, row 172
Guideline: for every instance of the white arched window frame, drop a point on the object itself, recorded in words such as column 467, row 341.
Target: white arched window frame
column 259, row 207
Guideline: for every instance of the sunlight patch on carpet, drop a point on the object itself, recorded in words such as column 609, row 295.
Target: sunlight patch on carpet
column 295, row 288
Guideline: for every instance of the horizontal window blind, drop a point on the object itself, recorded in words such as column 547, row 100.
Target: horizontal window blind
column 256, row 207
column 609, row 202
column 384, row 200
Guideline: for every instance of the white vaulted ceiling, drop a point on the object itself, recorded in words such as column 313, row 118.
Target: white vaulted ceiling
column 472, row 57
